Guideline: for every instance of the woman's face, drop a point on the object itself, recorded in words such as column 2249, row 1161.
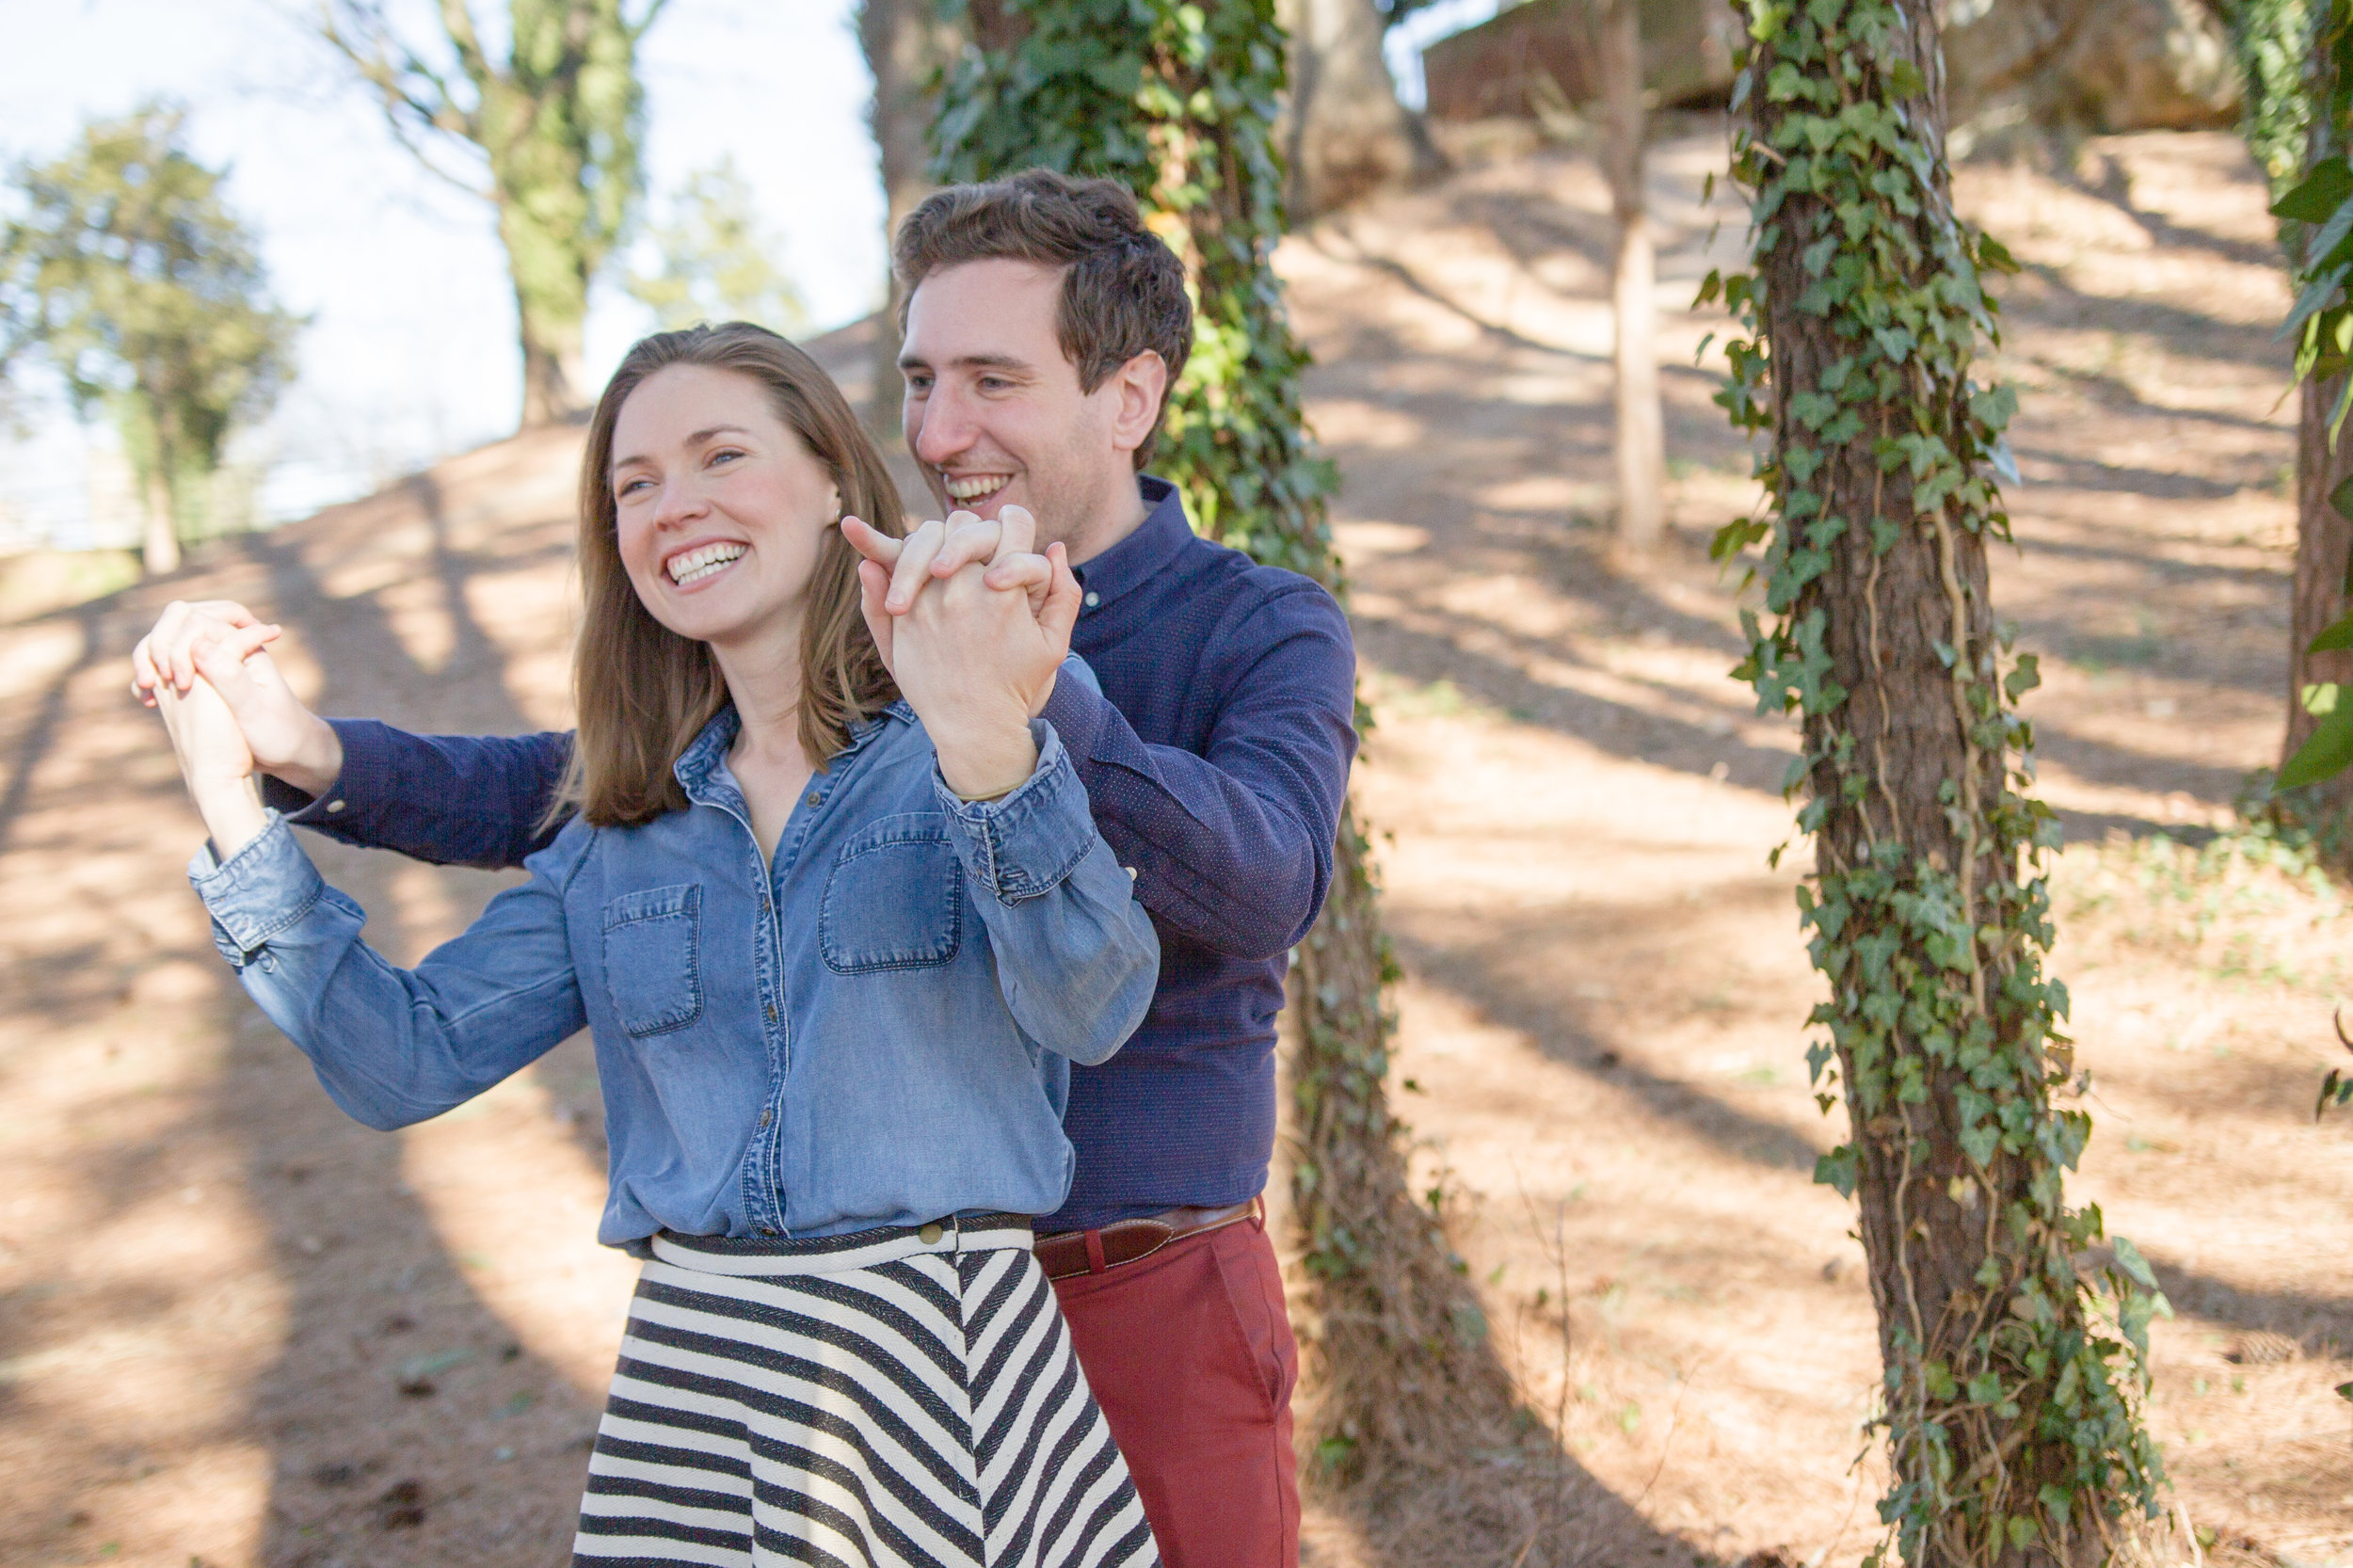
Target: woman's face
column 721, row 509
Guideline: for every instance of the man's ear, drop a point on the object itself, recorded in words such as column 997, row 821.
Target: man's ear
column 1138, row 389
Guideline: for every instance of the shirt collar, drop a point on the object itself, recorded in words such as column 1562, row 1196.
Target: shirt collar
column 703, row 757
column 1164, row 531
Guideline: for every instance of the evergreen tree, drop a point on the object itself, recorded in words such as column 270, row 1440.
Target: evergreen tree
column 128, row 273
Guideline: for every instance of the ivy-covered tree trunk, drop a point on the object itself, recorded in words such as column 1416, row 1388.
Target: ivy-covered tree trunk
column 1175, row 99
column 2009, row 1399
column 2322, row 588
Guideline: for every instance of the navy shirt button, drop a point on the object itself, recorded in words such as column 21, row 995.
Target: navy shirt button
column 1093, row 599
column 333, row 806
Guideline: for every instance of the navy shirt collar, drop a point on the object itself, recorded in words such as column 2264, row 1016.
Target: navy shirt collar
column 1155, row 543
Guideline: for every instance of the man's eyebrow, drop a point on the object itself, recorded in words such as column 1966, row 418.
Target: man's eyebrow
column 969, row 362
column 695, row 440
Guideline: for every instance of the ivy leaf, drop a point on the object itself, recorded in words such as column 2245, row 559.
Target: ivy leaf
column 2128, row 1257
column 1839, row 1169
column 2325, row 756
column 2027, row 675
column 2340, row 633
column 2319, row 194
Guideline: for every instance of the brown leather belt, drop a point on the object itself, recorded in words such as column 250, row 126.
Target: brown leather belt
column 1091, row 1252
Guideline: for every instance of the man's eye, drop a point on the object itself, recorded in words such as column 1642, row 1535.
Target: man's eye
column 993, row 383
column 918, row 384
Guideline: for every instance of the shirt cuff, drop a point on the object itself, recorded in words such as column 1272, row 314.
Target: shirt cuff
column 259, row 892
column 1022, row 845
column 365, row 779
column 1077, row 711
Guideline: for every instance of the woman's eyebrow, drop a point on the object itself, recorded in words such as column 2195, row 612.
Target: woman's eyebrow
column 695, row 440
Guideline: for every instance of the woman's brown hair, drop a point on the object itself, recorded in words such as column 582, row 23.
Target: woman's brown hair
column 641, row 691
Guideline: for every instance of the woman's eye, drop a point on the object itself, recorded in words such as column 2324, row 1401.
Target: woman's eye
column 630, row 486
column 724, row 456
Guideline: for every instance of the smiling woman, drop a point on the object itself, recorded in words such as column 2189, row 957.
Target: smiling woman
column 706, row 443
column 774, row 893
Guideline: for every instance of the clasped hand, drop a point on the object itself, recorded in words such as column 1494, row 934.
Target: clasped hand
column 973, row 624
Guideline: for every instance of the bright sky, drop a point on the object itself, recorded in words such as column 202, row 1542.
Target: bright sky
column 410, row 354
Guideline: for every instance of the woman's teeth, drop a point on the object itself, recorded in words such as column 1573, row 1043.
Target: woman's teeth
column 691, row 565
column 977, row 485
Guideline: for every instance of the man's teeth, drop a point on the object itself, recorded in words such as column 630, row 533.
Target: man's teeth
column 692, row 564
column 977, row 485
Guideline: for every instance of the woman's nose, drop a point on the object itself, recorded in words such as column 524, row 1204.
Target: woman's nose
column 679, row 502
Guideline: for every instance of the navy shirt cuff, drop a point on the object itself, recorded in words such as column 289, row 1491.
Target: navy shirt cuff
column 1076, row 712
column 367, row 776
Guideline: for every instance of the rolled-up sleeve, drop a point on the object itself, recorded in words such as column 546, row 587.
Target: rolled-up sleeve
column 394, row 1046
column 1077, row 958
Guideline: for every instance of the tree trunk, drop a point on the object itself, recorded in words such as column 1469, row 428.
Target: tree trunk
column 160, row 550
column 1343, row 133
column 1641, row 433
column 550, row 311
column 2324, row 583
column 2324, row 537
column 906, row 46
column 1926, row 916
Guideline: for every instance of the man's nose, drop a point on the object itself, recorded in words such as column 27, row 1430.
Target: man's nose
column 945, row 428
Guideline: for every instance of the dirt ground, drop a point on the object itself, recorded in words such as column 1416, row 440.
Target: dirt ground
column 238, row 1329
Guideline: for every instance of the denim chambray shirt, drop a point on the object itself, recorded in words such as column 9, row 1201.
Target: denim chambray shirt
column 874, row 1030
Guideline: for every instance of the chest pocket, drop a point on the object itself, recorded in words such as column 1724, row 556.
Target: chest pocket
column 895, row 898
column 653, row 958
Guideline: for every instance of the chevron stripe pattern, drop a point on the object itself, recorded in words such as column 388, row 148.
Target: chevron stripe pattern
column 877, row 1400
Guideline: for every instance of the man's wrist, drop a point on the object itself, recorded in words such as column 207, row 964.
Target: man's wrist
column 317, row 762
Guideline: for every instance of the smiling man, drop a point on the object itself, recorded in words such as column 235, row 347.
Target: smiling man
column 1045, row 327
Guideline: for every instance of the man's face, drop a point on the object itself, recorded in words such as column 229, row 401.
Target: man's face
column 994, row 414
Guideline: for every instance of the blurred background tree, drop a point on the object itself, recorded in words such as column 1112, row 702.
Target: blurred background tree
column 549, row 137
column 715, row 262
column 1342, row 131
column 127, row 274
column 909, row 45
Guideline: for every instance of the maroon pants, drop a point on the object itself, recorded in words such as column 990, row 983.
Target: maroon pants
column 1190, row 1354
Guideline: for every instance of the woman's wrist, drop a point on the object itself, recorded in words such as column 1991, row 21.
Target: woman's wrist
column 232, row 811
column 987, row 761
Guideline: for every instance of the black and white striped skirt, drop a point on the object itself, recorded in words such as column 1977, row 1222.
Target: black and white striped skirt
column 895, row 1397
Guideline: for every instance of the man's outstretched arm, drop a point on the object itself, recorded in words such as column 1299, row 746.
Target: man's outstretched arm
column 452, row 800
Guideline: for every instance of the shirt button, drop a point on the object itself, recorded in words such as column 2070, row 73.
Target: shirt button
column 772, row 1012
column 333, row 806
column 929, row 1234
column 1130, row 871
column 1093, row 599
column 813, row 798
column 766, row 1115
column 767, row 1230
